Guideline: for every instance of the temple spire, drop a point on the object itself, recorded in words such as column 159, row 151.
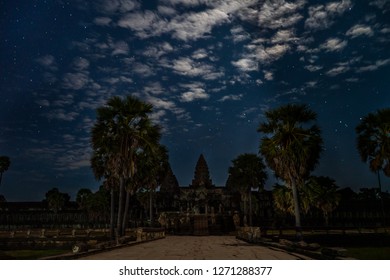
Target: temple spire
column 201, row 175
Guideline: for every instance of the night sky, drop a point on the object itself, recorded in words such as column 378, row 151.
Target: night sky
column 211, row 68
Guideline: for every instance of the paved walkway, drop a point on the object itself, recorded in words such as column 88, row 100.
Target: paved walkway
column 196, row 248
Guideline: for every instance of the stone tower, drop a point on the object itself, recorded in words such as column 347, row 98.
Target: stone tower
column 202, row 175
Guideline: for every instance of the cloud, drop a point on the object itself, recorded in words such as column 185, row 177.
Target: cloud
column 199, row 54
column 313, row 68
column 338, row 70
column 246, row 64
column 194, row 91
column 61, row 114
column 116, row 6
column 360, row 30
column 166, row 11
column 334, row 45
column 102, row 21
column 144, row 24
column 192, row 26
column 283, row 36
column 279, row 14
column 231, row 97
column 268, row 75
column 142, row 69
column 185, row 66
column 375, row 66
column 323, row 16
column 239, row 34
column 80, row 64
column 48, row 61
column 268, row 55
column 188, row 3
column 157, row 51
column 75, row 81
column 120, row 47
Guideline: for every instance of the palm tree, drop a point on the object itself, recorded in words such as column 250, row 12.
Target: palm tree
column 122, row 131
column 291, row 146
column 283, row 199
column 247, row 172
column 322, row 192
column 99, row 165
column 373, row 144
column 373, row 141
column 4, row 165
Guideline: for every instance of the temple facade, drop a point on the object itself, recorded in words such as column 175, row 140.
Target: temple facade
column 217, row 204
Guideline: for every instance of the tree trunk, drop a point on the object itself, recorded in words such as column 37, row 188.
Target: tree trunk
column 151, row 206
column 1, row 177
column 296, row 210
column 120, row 206
column 380, row 197
column 112, row 214
column 250, row 207
column 125, row 214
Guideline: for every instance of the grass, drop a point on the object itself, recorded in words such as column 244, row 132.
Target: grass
column 30, row 254
column 369, row 253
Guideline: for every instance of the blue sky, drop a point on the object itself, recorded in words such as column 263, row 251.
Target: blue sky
column 210, row 68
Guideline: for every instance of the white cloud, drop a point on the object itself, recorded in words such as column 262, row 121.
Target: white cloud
column 48, row 61
column 323, row 16
column 360, row 30
column 116, row 6
column 193, row 91
column 313, row 68
column 283, row 36
column 269, row 76
column 145, row 24
column 192, row 26
column 80, row 64
column 239, row 34
column 157, row 51
column 75, row 81
column 187, row 67
column 120, row 47
column 190, row 96
column 334, row 44
column 61, row 114
column 142, row 69
column 102, row 21
column 231, row 97
column 374, row 66
column 246, row 64
column 280, row 14
column 199, row 54
column 189, row 3
column 268, row 55
column 337, row 70
column 166, row 11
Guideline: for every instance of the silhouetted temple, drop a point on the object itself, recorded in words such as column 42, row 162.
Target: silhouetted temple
column 201, row 175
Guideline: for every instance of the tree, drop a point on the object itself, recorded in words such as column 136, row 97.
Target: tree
column 122, row 131
column 82, row 197
column 56, row 200
column 4, row 165
column 152, row 167
column 247, row 173
column 323, row 194
column 291, row 146
column 373, row 142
